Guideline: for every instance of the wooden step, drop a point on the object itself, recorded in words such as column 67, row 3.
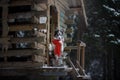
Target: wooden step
column 26, row 27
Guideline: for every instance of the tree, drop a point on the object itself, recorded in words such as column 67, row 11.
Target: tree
column 102, row 38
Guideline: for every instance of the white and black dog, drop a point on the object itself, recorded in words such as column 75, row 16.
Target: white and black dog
column 58, row 45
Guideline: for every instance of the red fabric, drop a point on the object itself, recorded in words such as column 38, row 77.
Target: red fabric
column 57, row 50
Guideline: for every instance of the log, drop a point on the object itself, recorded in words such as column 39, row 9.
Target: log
column 27, row 40
column 26, row 27
column 24, row 52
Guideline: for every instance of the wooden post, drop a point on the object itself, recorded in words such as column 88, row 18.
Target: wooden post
column 48, row 34
column 83, row 57
column 78, row 51
column 83, row 45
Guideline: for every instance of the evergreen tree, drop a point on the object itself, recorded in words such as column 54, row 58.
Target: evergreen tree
column 103, row 39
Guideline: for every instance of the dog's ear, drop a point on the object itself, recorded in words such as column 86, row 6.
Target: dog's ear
column 55, row 34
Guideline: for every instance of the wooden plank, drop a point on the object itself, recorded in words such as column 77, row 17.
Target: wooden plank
column 26, row 27
column 27, row 40
column 20, row 65
column 29, row 14
column 71, row 47
column 24, row 52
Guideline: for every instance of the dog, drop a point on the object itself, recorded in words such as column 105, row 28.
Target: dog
column 57, row 46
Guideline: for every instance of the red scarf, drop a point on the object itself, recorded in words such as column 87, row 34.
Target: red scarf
column 57, row 50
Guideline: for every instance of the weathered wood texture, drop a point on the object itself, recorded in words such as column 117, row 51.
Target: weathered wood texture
column 26, row 27
column 27, row 14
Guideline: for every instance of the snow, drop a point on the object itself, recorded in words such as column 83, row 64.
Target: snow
column 115, row 13
column 97, row 36
column 113, row 1
column 111, row 35
column 20, row 34
column 114, row 42
column 118, row 40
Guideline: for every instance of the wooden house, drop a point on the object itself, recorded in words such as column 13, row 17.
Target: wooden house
column 27, row 28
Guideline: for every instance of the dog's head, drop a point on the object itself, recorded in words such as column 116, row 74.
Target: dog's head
column 58, row 34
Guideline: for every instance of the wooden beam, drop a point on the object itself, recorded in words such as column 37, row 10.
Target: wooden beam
column 71, row 47
column 26, row 27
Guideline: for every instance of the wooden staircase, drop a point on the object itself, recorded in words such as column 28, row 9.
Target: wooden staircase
column 78, row 72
